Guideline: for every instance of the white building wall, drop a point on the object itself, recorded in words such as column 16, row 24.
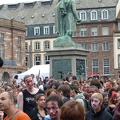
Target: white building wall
column 42, row 50
column 116, row 50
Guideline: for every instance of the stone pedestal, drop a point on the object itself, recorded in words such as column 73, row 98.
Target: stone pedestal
column 67, row 59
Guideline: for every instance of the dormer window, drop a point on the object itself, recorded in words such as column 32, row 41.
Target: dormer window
column 36, row 30
column 104, row 14
column 29, row 5
column 94, row 15
column 83, row 16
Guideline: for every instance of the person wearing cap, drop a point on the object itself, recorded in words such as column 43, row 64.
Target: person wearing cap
column 76, row 95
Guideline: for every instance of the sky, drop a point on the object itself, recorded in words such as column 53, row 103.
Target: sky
column 16, row 1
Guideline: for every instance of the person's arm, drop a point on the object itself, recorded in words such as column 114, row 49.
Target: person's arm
column 37, row 77
column 75, row 11
column 20, row 101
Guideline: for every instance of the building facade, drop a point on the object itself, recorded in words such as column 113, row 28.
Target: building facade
column 98, row 32
column 12, row 47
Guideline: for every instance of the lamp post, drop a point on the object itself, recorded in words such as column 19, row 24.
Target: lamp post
column 1, row 62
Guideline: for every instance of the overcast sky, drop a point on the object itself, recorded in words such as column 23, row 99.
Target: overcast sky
column 15, row 1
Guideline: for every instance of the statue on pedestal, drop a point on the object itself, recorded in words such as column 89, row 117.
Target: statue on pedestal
column 65, row 21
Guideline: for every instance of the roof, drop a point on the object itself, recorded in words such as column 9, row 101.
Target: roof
column 83, row 4
column 42, row 12
column 4, row 16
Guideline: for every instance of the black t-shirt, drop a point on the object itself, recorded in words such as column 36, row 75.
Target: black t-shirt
column 28, row 101
column 35, row 115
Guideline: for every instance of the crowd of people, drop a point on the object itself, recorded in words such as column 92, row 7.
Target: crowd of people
column 68, row 99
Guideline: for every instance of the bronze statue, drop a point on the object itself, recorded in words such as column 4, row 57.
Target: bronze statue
column 66, row 17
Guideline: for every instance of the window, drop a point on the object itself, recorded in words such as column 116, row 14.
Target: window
column 94, row 31
column 105, row 46
column 83, row 32
column 47, row 45
column 84, row 46
column 106, row 66
column 27, row 61
column 118, row 43
column 46, row 30
column 19, row 40
column 26, row 46
column 37, row 60
column 94, row 47
column 119, row 60
column 83, row 16
column 1, row 36
column 118, row 25
column 54, row 30
column 95, row 66
column 36, row 30
column 47, row 59
column 104, row 14
column 37, row 45
column 26, row 32
column 105, row 31
column 19, row 54
column 94, row 15
column 2, row 51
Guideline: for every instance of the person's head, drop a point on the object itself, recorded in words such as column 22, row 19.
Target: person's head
column 16, row 77
column 74, row 90
column 113, row 97
column 86, row 87
column 95, row 82
column 64, row 90
column 96, row 101
column 7, row 100
column 86, row 95
column 53, row 105
column 40, row 100
column 28, row 81
column 54, row 84
column 51, row 92
column 72, row 110
column 15, row 92
column 9, row 89
column 93, row 89
column 109, row 84
column 105, row 96
column 82, row 80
